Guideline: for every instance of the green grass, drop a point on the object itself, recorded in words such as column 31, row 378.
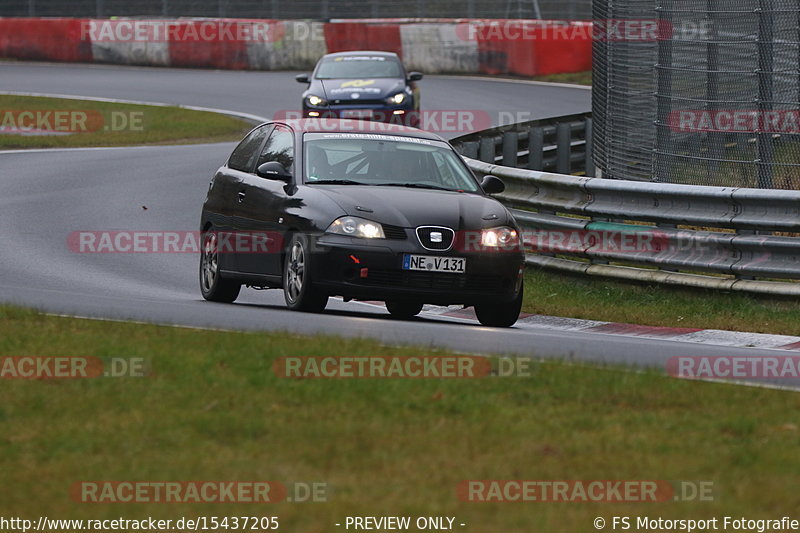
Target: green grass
column 552, row 293
column 576, row 78
column 213, row 410
column 110, row 124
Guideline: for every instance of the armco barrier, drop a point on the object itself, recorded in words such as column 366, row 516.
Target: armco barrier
column 561, row 144
column 526, row 48
column 709, row 237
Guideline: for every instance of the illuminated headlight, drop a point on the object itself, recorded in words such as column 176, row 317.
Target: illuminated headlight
column 502, row 237
column 316, row 101
column 397, row 99
column 356, row 227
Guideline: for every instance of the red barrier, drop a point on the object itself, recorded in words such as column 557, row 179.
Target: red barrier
column 225, row 50
column 525, row 48
column 44, row 39
column 350, row 36
column 533, row 48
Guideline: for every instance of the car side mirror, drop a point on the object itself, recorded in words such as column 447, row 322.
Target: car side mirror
column 415, row 76
column 272, row 170
column 492, row 185
column 302, row 78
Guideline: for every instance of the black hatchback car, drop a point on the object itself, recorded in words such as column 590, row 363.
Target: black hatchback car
column 343, row 210
column 362, row 85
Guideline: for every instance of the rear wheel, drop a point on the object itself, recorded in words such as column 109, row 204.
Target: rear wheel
column 298, row 292
column 500, row 315
column 213, row 286
column 404, row 310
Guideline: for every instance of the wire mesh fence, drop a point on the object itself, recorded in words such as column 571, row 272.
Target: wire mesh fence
column 705, row 92
column 302, row 9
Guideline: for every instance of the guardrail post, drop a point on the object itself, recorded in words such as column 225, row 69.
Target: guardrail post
column 564, row 148
column 486, row 150
column 765, row 144
column 536, row 148
column 510, row 146
column 589, row 153
column 469, row 149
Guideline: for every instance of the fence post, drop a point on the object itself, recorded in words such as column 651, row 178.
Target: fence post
column 536, row 148
column 510, row 147
column 31, row 8
column 766, row 149
column 486, row 150
column 589, row 150
column 470, row 149
column 563, row 148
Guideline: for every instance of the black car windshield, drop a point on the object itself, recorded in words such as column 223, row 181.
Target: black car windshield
column 355, row 67
column 384, row 160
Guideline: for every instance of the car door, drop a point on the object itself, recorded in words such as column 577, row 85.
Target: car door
column 263, row 203
column 222, row 196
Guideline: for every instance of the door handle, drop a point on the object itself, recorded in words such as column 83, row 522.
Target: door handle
column 241, row 196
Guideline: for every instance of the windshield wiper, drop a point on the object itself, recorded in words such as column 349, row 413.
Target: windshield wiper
column 416, row 186
column 335, row 182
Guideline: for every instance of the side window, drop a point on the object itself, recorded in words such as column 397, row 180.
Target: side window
column 280, row 148
column 244, row 155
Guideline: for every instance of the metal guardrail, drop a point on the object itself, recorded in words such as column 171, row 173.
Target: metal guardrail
column 561, row 145
column 697, row 236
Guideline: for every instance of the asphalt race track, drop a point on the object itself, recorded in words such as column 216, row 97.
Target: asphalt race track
column 45, row 195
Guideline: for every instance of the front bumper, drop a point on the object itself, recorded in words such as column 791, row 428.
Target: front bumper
column 400, row 115
column 350, row 268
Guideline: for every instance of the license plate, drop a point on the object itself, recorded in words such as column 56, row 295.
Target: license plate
column 357, row 113
column 429, row 263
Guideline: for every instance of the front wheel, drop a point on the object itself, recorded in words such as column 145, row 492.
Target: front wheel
column 500, row 315
column 213, row 286
column 298, row 292
column 404, row 310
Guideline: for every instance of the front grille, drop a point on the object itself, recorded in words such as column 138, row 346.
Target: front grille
column 443, row 235
column 358, row 102
column 435, row 280
column 395, row 233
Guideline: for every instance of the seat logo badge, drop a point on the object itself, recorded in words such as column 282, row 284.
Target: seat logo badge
column 436, row 236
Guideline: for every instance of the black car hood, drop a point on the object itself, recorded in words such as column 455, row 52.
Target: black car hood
column 410, row 208
column 366, row 89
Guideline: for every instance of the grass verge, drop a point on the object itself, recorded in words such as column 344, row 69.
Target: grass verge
column 553, row 293
column 214, row 410
column 85, row 123
column 575, row 78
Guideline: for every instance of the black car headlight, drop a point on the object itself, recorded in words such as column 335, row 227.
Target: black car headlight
column 500, row 237
column 315, row 101
column 356, row 227
column 397, row 99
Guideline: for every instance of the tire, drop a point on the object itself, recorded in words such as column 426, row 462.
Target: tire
column 500, row 315
column 299, row 293
column 213, row 286
column 404, row 310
